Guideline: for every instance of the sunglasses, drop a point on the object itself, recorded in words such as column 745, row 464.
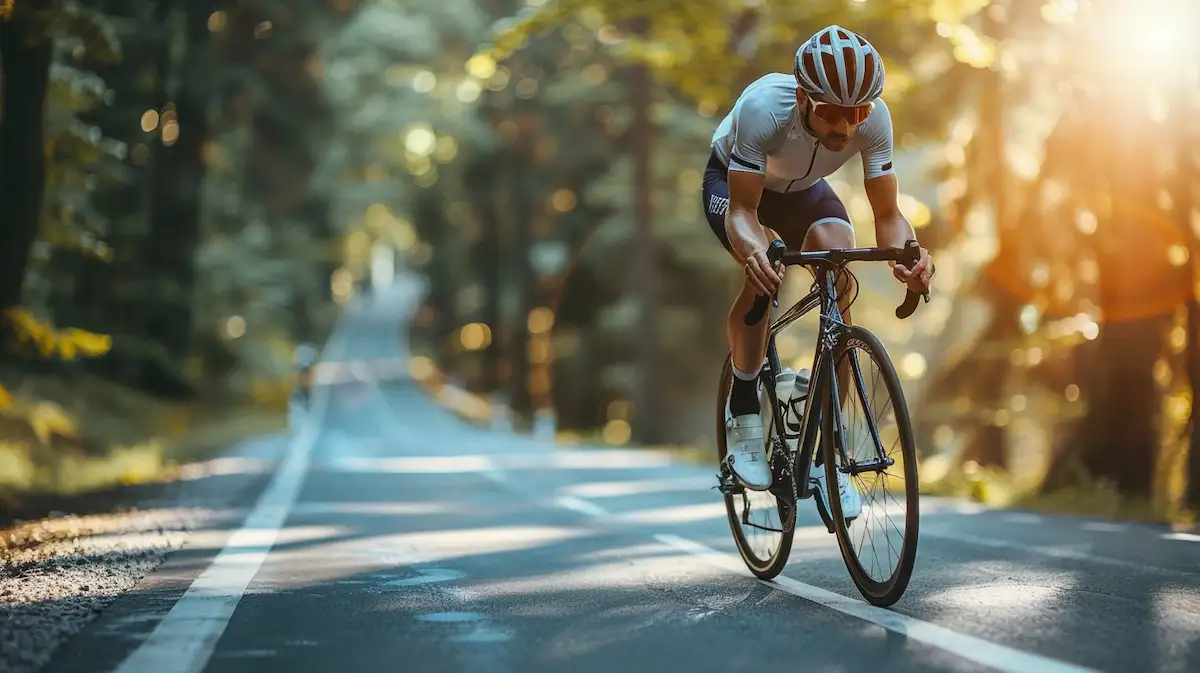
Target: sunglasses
column 832, row 114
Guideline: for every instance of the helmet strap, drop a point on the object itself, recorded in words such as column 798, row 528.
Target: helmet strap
column 804, row 116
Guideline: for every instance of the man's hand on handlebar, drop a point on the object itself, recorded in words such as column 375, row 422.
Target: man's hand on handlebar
column 919, row 277
column 753, row 253
column 764, row 279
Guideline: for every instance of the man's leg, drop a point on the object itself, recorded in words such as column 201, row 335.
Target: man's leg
column 747, row 346
column 833, row 234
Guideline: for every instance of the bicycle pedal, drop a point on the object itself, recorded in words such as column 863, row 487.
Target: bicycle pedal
column 727, row 484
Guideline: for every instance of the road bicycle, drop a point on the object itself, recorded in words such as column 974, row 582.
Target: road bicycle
column 792, row 447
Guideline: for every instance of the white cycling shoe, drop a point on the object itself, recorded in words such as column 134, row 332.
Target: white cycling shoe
column 746, row 452
column 850, row 497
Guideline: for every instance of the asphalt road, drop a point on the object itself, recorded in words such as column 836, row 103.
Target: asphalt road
column 390, row 536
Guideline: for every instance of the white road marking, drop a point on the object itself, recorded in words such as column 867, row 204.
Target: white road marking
column 580, row 505
column 970, row 648
column 496, row 476
column 1102, row 527
column 1187, row 537
column 450, row 617
column 428, row 576
column 484, row 634
column 183, row 642
column 1052, row 552
column 1018, row 517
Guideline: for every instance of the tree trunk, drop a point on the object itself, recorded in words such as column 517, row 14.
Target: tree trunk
column 527, row 189
column 490, row 266
column 989, row 443
column 175, row 206
column 1186, row 201
column 1192, row 495
column 647, row 423
column 25, row 57
column 1118, row 438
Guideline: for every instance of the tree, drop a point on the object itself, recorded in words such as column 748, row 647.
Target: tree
column 25, row 54
column 686, row 47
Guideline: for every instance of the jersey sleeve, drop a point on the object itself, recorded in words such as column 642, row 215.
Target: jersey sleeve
column 878, row 144
column 753, row 134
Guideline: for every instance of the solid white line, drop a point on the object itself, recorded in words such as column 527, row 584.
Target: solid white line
column 971, row 648
column 184, row 640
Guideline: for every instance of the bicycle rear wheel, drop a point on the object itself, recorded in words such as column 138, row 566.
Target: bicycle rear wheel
column 877, row 449
column 762, row 522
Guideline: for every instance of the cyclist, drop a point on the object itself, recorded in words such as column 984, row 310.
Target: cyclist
column 770, row 156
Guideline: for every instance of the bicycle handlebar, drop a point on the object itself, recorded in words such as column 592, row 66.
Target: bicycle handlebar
column 909, row 255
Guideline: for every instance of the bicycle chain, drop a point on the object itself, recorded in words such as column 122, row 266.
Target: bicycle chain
column 791, row 475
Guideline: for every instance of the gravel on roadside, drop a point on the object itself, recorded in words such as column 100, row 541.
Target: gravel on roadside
column 57, row 574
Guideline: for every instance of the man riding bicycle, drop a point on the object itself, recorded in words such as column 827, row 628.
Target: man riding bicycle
column 770, row 156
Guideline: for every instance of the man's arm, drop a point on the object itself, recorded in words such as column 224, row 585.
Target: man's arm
column 754, row 131
column 892, row 228
column 747, row 236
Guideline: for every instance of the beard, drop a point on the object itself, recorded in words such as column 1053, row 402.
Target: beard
column 835, row 141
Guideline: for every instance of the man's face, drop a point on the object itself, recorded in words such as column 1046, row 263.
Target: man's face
column 834, row 135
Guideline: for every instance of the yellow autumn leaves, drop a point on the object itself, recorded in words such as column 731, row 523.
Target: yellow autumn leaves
column 65, row 344
column 48, row 342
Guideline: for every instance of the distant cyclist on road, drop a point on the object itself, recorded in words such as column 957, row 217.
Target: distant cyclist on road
column 770, row 157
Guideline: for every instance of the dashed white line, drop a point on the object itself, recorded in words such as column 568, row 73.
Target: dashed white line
column 970, row 648
column 1018, row 517
column 1053, row 552
column 1102, row 527
column 1187, row 537
column 580, row 505
column 495, row 474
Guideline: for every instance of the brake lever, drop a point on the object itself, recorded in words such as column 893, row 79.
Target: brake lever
column 759, row 308
column 910, row 257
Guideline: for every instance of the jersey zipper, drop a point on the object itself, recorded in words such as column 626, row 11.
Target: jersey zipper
column 811, row 162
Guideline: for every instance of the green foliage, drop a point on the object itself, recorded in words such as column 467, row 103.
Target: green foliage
column 705, row 50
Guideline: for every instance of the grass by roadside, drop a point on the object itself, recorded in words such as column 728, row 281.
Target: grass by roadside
column 87, row 443
column 1092, row 498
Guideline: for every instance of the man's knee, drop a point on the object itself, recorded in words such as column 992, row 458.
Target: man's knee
column 830, row 233
column 834, row 233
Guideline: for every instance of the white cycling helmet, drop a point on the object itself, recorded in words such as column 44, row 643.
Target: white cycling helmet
column 837, row 66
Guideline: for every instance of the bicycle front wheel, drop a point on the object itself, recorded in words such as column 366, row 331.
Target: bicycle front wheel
column 876, row 449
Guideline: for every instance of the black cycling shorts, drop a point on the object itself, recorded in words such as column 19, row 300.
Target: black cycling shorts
column 790, row 215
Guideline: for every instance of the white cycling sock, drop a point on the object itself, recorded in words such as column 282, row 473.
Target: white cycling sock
column 743, row 375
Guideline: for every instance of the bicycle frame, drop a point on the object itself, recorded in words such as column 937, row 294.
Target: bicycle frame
column 823, row 384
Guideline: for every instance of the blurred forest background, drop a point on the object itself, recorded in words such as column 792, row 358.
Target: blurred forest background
column 190, row 188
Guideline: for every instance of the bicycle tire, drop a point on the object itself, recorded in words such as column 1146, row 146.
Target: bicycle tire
column 764, row 569
column 881, row 593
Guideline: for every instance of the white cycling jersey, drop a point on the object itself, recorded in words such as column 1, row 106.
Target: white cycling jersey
column 763, row 134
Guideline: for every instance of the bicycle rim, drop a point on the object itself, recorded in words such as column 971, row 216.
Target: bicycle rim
column 879, row 546
column 765, row 552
